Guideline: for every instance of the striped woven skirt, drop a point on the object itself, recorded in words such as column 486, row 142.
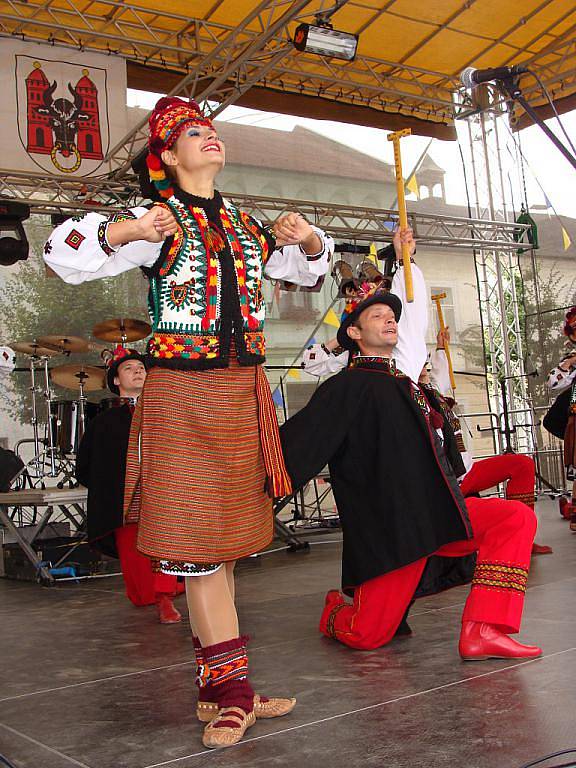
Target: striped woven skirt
column 195, row 477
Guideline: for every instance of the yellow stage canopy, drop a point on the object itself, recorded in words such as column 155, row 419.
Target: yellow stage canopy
column 410, row 52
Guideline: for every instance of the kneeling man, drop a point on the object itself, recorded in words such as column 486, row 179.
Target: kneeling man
column 399, row 500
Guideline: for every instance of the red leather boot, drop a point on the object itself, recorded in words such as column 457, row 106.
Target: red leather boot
column 480, row 641
column 332, row 604
column 564, row 506
column 167, row 612
column 541, row 549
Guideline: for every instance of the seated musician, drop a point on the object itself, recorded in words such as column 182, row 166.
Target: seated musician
column 101, row 466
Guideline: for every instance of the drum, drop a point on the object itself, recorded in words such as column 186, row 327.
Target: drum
column 67, row 430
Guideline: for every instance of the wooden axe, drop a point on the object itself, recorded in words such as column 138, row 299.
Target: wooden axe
column 436, row 299
column 402, row 215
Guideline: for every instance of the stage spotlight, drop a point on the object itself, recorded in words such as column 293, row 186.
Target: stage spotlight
column 13, row 241
column 59, row 218
column 325, row 41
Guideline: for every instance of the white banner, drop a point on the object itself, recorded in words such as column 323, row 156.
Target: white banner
column 61, row 109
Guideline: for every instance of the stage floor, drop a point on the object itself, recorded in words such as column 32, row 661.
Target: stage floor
column 88, row 680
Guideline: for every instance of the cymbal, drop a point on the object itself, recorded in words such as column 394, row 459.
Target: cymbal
column 71, row 374
column 33, row 348
column 122, row 329
column 64, row 343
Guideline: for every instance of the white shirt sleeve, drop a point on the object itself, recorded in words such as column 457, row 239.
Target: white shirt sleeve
column 559, row 380
column 78, row 250
column 440, row 373
column 467, row 460
column 319, row 362
column 290, row 263
column 410, row 352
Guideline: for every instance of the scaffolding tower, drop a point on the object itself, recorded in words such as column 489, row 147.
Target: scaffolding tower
column 488, row 152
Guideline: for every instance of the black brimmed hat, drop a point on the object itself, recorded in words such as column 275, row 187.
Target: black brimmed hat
column 361, row 302
column 120, row 355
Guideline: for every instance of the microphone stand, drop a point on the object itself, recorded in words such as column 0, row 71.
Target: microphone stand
column 511, row 86
column 508, row 430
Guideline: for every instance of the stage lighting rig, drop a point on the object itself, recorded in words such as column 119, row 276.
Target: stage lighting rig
column 322, row 39
column 13, row 241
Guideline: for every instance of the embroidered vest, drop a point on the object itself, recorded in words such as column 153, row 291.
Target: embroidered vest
column 185, row 296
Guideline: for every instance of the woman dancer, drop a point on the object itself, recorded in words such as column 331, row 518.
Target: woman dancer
column 204, row 459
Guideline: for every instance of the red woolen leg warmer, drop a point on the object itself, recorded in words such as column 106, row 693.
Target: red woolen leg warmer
column 228, row 669
column 205, row 691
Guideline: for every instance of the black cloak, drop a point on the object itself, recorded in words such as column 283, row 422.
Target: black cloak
column 101, row 467
column 397, row 496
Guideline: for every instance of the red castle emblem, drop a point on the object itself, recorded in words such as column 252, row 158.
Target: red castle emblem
column 66, row 129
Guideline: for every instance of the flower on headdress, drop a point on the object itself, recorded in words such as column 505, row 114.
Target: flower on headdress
column 365, row 291
column 116, row 355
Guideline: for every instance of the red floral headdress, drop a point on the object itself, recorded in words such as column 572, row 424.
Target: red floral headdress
column 169, row 118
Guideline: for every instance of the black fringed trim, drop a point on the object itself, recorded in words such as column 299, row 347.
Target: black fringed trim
column 202, row 364
column 314, row 258
column 154, row 270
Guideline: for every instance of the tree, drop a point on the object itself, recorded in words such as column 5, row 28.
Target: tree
column 33, row 304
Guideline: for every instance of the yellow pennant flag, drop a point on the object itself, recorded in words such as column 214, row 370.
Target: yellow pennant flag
column 373, row 255
column 331, row 318
column 566, row 239
column 294, row 373
column 412, row 186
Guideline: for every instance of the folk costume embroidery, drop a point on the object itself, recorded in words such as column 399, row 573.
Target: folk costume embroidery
column 500, row 576
column 186, row 293
column 388, row 366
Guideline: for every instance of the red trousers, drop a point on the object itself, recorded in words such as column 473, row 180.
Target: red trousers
column 143, row 586
column 503, row 536
column 516, row 470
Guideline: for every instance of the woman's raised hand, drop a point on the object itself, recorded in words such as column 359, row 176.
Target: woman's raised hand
column 158, row 224
column 293, row 229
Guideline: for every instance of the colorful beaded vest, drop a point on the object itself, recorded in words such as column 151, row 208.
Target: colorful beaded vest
column 206, row 286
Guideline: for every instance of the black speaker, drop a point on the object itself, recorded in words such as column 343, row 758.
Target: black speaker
column 13, row 245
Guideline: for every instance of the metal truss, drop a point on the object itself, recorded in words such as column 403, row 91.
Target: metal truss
column 499, row 279
column 221, row 61
column 54, row 194
column 233, row 66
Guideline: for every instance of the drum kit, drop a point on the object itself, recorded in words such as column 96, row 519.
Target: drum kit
column 66, row 419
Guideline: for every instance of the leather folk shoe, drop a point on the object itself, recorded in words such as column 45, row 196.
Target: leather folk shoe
column 167, row 612
column 227, row 728
column 264, row 708
column 479, row 641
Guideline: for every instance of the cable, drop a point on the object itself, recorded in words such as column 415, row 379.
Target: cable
column 549, row 757
column 4, row 761
column 553, row 106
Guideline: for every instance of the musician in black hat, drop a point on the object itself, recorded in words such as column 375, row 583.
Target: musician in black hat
column 101, row 466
